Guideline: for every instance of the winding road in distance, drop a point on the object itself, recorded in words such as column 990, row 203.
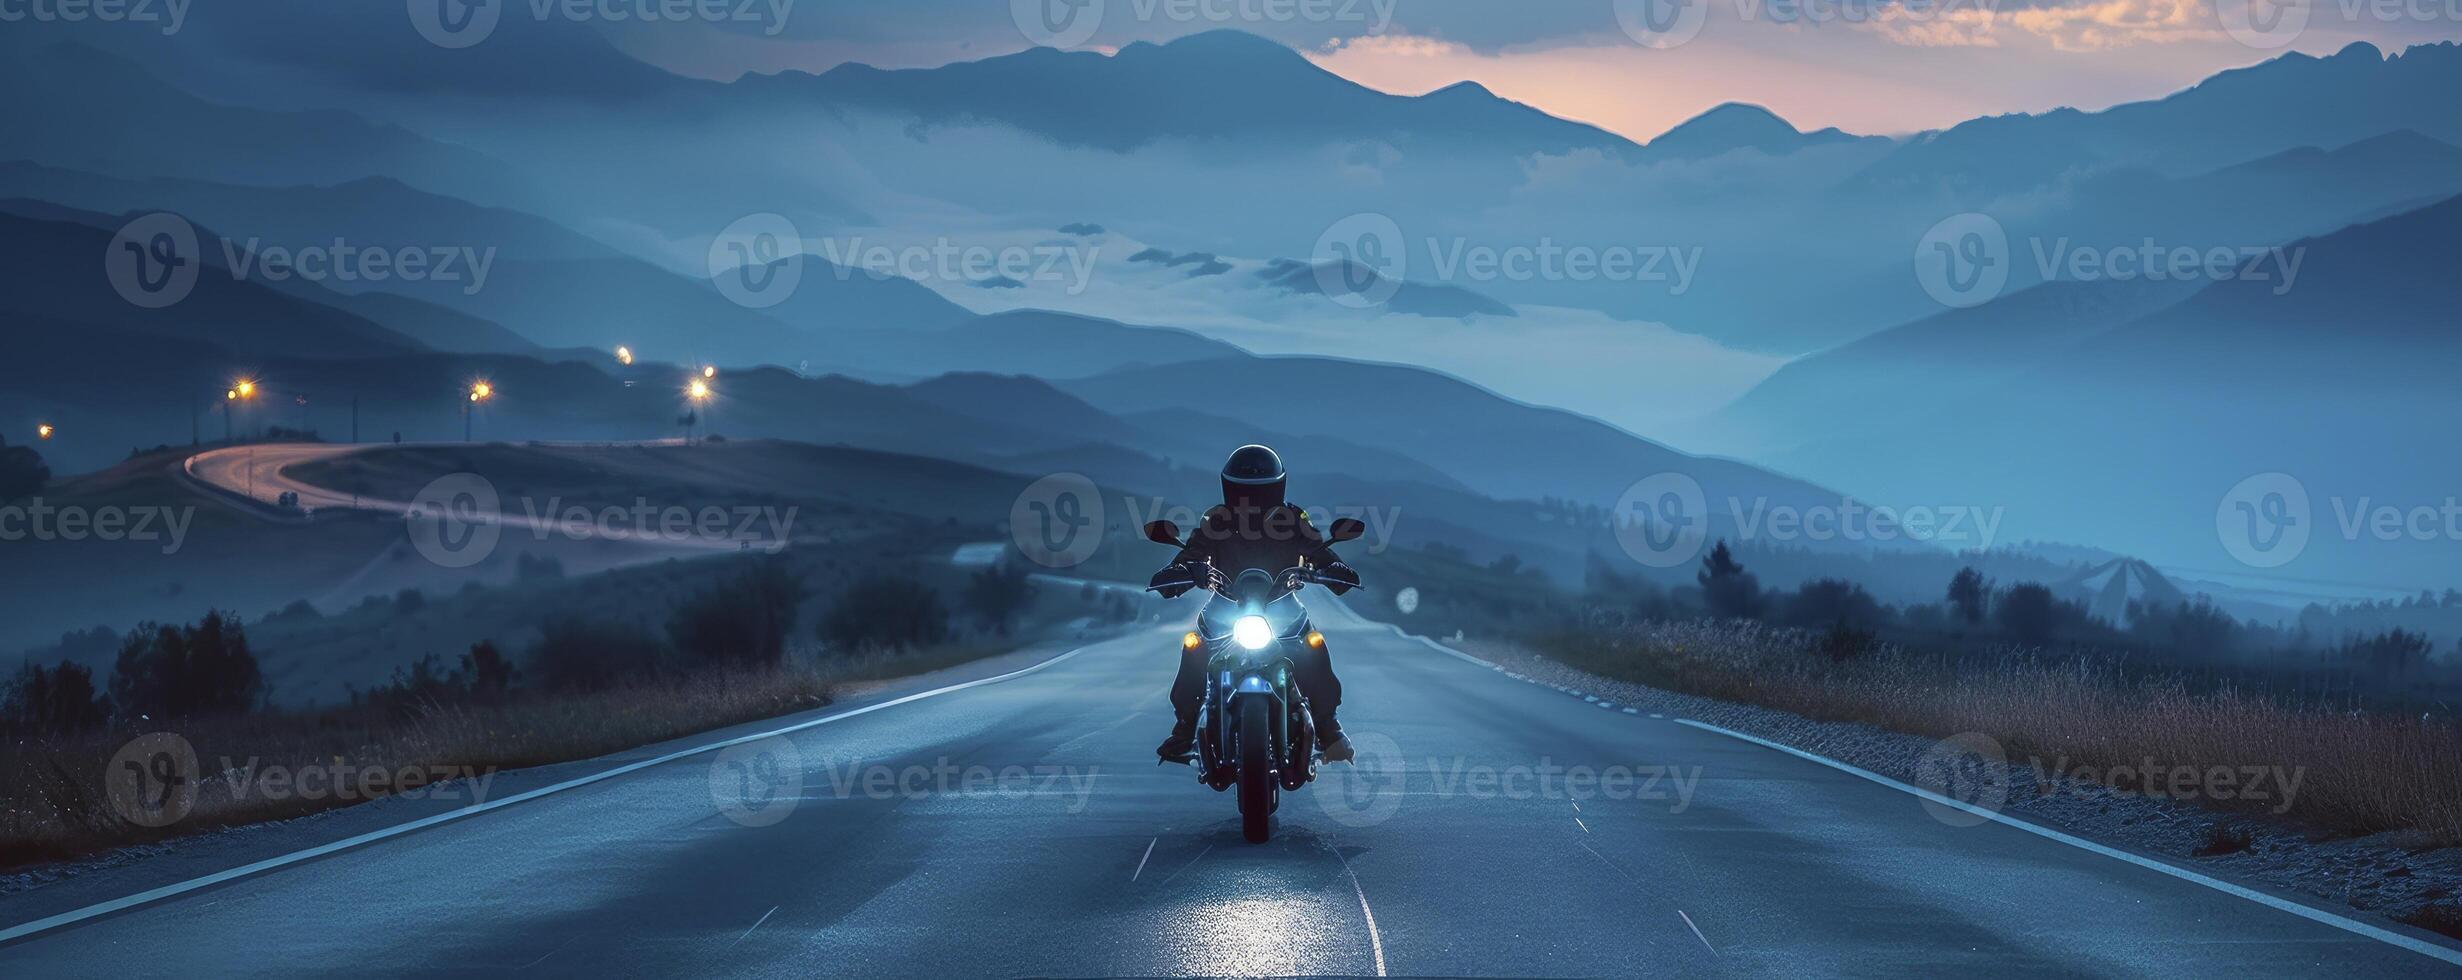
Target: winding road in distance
column 859, row 844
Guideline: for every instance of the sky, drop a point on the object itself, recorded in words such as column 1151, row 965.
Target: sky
column 1867, row 66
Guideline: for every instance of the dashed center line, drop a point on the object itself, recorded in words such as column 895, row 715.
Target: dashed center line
column 1141, row 861
column 1705, row 940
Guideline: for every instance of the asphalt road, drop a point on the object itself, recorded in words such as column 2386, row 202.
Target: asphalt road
column 1087, row 859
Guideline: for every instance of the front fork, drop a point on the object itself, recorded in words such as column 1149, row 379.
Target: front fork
column 1218, row 735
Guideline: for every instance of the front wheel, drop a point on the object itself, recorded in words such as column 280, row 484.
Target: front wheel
column 1257, row 788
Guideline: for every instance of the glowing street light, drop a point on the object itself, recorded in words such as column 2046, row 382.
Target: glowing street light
column 699, row 392
column 709, row 371
column 624, row 356
column 240, row 390
column 43, row 432
column 245, row 389
column 480, row 391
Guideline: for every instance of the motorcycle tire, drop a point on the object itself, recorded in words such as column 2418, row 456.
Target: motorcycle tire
column 1257, row 789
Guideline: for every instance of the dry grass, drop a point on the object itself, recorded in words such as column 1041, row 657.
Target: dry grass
column 53, row 807
column 2360, row 772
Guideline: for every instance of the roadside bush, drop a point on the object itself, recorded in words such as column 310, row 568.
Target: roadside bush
column 576, row 654
column 483, row 675
column 52, row 701
column 743, row 620
column 187, row 671
column 885, row 612
column 997, row 594
column 1834, row 603
column 22, row 472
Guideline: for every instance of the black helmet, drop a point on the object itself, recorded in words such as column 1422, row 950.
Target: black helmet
column 1252, row 478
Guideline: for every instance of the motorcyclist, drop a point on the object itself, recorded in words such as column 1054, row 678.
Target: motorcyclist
column 1255, row 527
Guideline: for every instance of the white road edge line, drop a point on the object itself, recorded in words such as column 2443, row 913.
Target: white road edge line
column 2343, row 923
column 2346, row 924
column 1376, row 940
column 149, row 896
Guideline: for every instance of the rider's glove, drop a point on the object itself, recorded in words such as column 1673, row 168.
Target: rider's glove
column 1338, row 577
column 1173, row 581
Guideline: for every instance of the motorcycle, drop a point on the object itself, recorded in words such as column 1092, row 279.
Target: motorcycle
column 1254, row 730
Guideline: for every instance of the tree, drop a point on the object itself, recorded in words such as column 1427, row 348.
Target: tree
column 1727, row 589
column 187, row 671
column 2390, row 654
column 2030, row 613
column 997, row 594
column 885, row 612
column 22, row 472
column 485, row 671
column 59, row 700
column 743, row 621
column 1835, row 604
column 1969, row 592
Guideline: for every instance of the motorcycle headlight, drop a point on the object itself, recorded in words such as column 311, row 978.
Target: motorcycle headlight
column 1252, row 633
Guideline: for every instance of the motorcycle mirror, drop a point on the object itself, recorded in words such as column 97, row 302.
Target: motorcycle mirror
column 1346, row 529
column 1163, row 532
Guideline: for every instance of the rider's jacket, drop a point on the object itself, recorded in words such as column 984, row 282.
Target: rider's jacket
column 1272, row 538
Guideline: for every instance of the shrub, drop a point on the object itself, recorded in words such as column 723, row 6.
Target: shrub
column 52, row 701
column 22, row 472
column 187, row 671
column 576, row 654
column 885, row 612
column 1835, row 603
column 997, row 594
column 743, row 620
column 2030, row 614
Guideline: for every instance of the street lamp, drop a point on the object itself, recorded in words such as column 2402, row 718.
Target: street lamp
column 699, row 392
column 241, row 390
column 480, row 391
column 43, row 432
column 624, row 356
column 709, row 371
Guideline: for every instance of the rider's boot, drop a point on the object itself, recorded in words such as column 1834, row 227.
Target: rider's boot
column 1181, row 744
column 1330, row 741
